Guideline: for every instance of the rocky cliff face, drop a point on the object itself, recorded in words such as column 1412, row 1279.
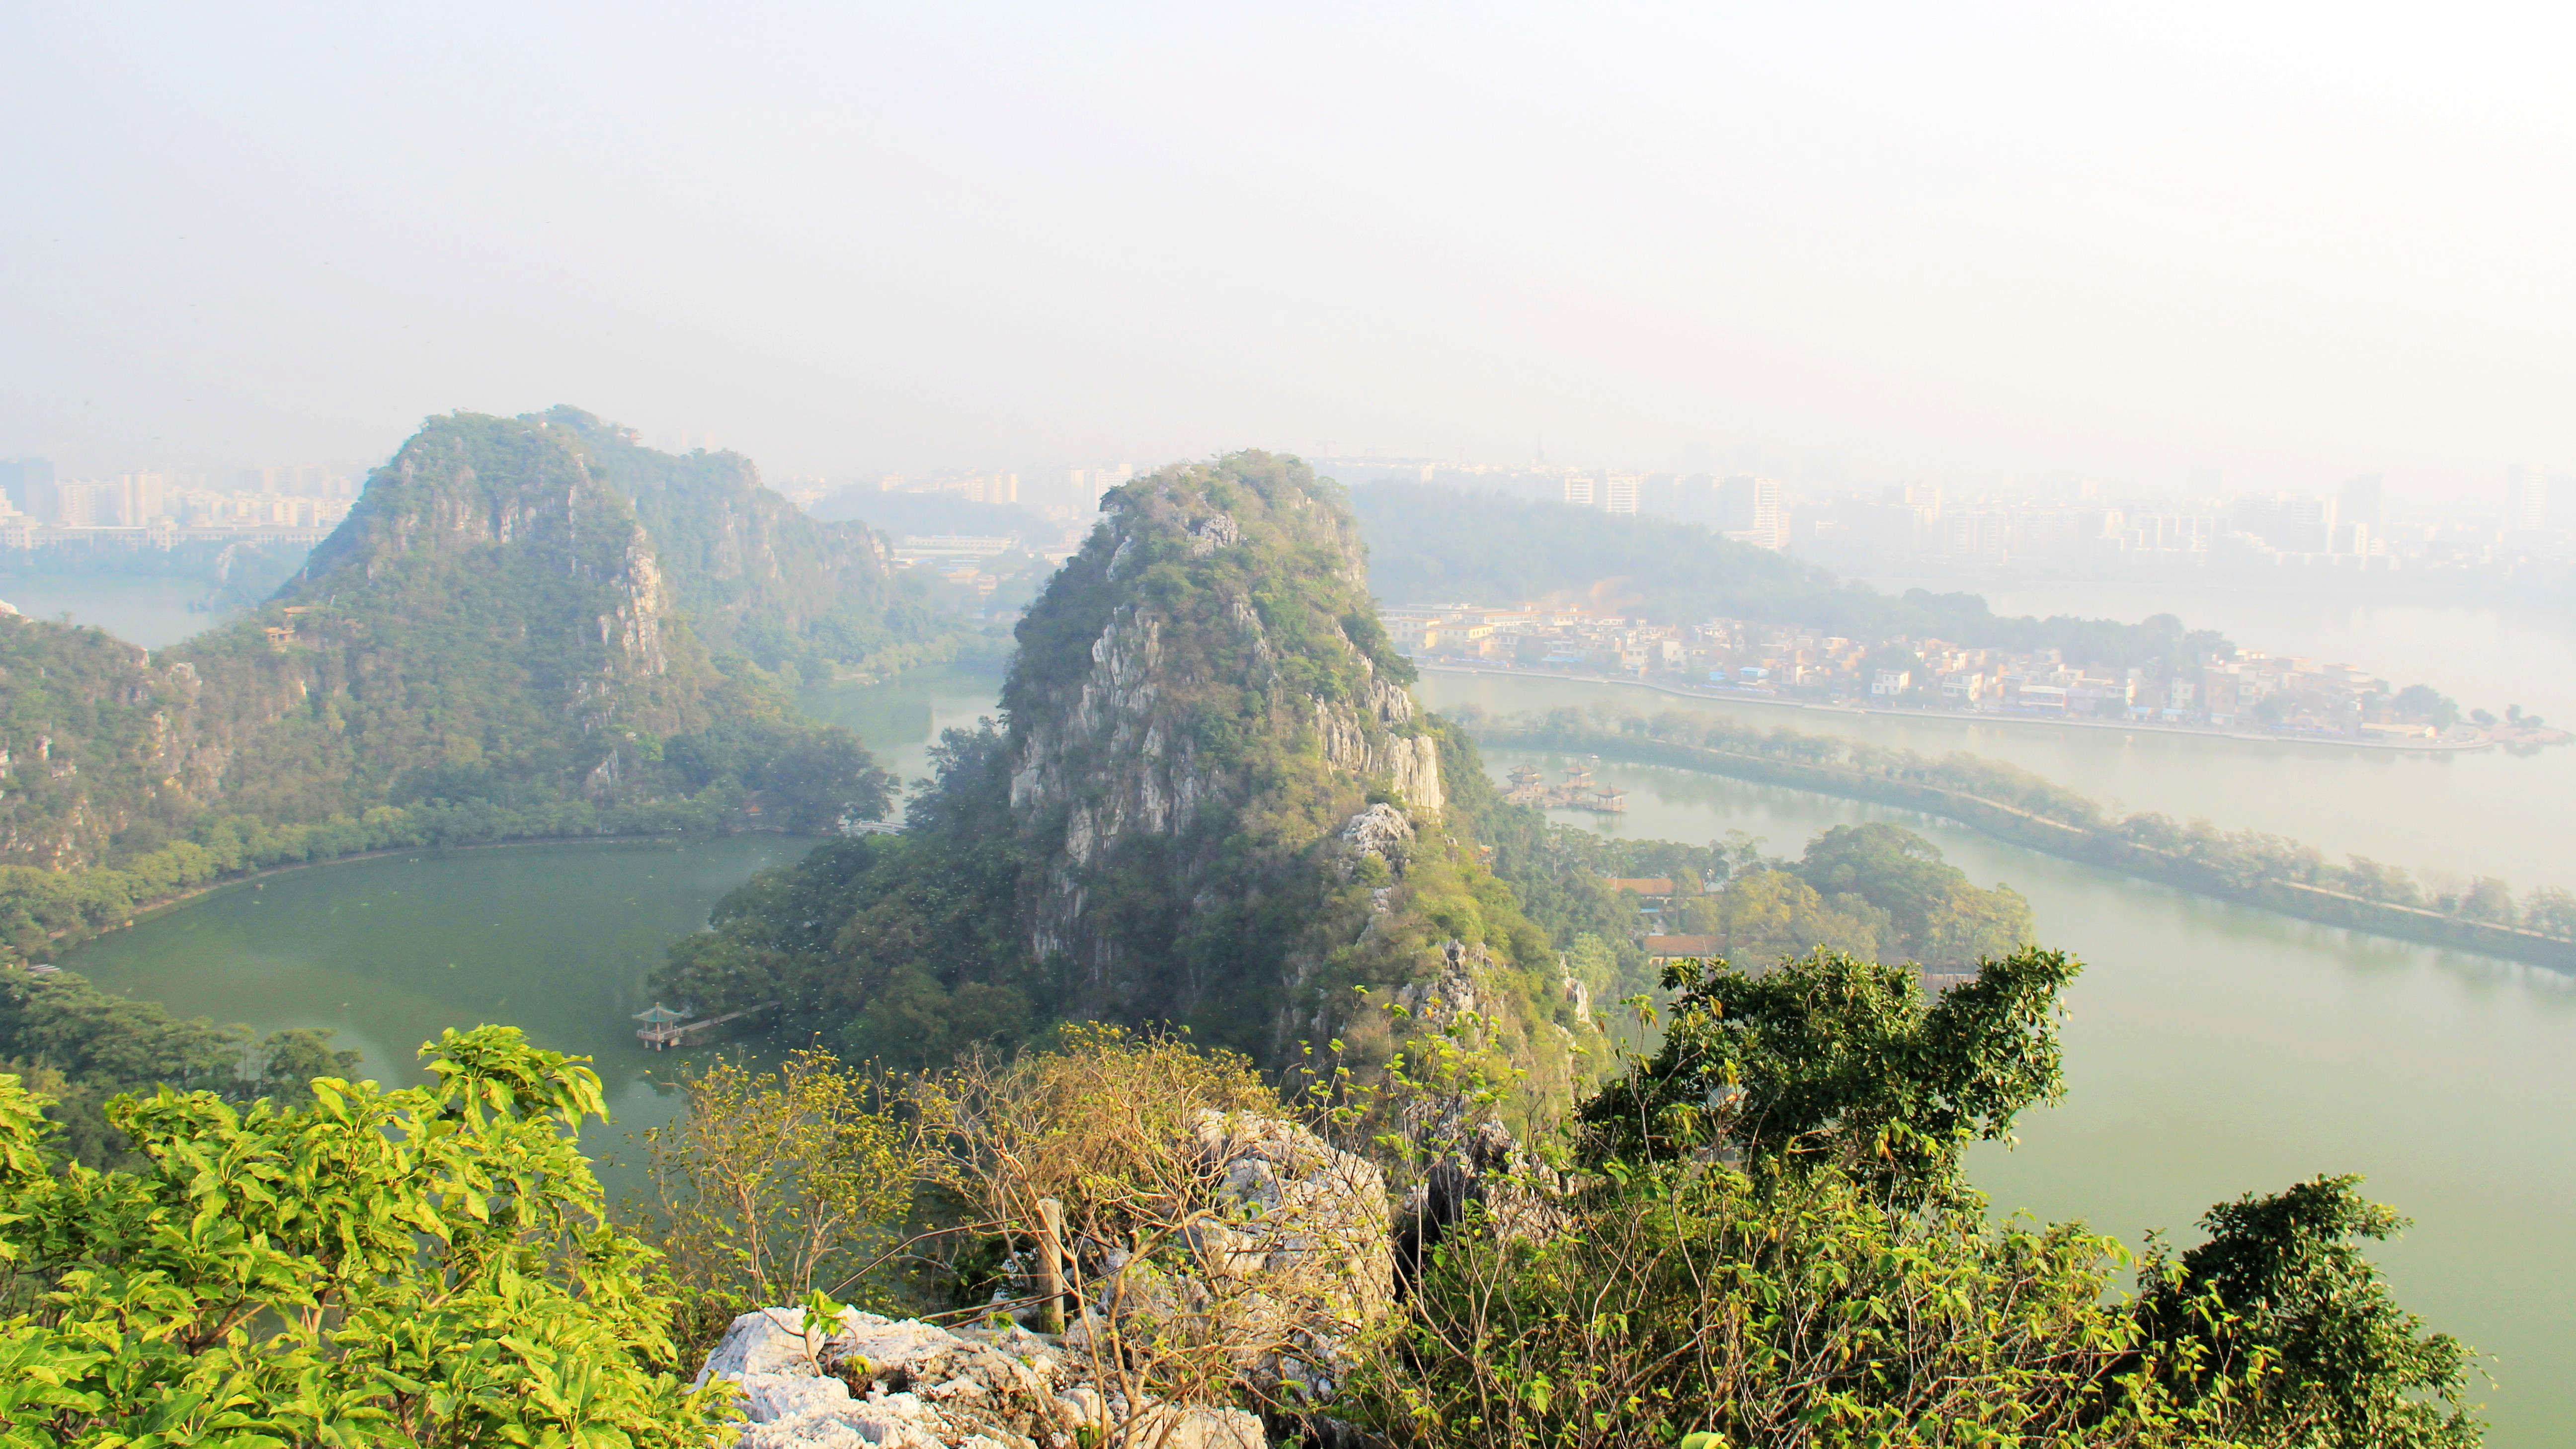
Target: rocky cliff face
column 1202, row 694
column 492, row 607
column 1211, row 803
column 753, row 573
column 1123, row 761
column 492, row 616
column 89, row 726
column 500, row 495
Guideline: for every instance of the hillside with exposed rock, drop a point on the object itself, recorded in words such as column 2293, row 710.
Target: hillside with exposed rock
column 754, row 574
column 493, row 643
column 1211, row 801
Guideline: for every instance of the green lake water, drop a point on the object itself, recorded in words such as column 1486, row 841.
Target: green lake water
column 901, row 720
column 2212, row 1049
column 556, row 939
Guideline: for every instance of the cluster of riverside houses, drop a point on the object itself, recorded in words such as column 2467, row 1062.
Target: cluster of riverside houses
column 2249, row 690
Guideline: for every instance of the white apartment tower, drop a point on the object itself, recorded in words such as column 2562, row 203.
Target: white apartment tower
column 2526, row 500
column 1621, row 494
column 1578, row 489
column 1750, row 508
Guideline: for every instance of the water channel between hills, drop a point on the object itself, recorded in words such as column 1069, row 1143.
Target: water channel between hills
column 2212, row 1049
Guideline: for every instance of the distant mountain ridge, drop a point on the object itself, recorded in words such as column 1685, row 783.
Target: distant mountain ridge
column 497, row 621
column 1432, row 546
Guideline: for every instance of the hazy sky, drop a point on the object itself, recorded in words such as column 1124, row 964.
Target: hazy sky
column 1957, row 241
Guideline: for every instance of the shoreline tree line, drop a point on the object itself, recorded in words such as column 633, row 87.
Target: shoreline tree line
column 2481, row 914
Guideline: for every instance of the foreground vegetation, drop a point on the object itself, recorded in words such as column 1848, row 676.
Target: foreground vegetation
column 1758, row 1234
column 82, row 1048
column 1768, row 1239
column 431, row 1266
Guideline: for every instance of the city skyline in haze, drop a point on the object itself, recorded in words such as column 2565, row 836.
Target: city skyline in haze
column 1989, row 245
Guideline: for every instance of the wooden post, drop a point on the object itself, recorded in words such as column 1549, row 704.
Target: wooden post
column 1050, row 1284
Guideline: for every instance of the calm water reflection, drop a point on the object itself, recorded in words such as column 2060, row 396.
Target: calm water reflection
column 557, row 939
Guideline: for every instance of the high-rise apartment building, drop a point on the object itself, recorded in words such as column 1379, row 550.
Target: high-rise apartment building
column 146, row 496
column 1087, row 484
column 988, row 488
column 1620, row 494
column 90, row 504
column 2171, row 533
column 1749, row 511
column 1578, row 489
column 2526, row 499
column 2364, row 500
column 29, row 484
column 2287, row 523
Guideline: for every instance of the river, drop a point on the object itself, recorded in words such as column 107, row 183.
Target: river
column 2212, row 1049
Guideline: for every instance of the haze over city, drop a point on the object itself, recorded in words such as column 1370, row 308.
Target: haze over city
column 1987, row 245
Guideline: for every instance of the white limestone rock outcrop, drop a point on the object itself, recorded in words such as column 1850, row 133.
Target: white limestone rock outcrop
column 1382, row 831
column 872, row 1381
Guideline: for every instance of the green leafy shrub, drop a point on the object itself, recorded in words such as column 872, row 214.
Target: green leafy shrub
column 423, row 1266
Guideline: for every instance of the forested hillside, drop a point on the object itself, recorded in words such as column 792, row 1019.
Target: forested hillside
column 1430, row 546
column 754, row 574
column 1212, row 802
column 492, row 644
